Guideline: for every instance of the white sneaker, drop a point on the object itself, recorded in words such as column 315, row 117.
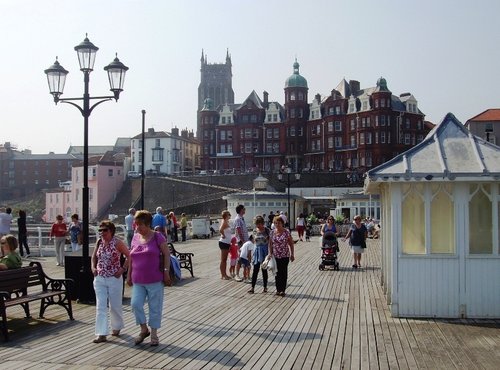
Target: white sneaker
column 238, row 279
column 248, row 281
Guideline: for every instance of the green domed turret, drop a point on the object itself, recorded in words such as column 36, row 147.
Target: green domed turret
column 296, row 80
column 208, row 104
column 382, row 84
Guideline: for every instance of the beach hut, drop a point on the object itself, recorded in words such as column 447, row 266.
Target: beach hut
column 440, row 214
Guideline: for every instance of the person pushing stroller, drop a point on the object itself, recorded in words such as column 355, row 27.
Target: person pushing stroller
column 329, row 244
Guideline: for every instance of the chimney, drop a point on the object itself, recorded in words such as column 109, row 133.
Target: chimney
column 184, row 133
column 354, row 85
column 318, row 98
column 191, row 134
column 151, row 130
column 266, row 99
column 175, row 131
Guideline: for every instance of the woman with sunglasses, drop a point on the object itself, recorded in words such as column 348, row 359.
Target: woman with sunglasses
column 108, row 281
column 329, row 226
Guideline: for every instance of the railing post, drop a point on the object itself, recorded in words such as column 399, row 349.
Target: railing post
column 40, row 250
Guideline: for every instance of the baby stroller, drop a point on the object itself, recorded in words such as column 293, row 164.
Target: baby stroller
column 329, row 249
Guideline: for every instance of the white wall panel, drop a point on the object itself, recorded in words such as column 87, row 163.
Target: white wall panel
column 428, row 287
column 483, row 287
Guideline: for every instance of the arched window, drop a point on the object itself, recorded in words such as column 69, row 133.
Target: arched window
column 413, row 220
column 480, row 220
column 442, row 220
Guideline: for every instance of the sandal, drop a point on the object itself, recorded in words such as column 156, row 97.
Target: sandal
column 265, row 290
column 154, row 341
column 100, row 339
column 141, row 337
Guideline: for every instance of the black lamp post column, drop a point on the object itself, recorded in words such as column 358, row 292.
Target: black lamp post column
column 85, row 290
column 143, row 139
column 288, row 181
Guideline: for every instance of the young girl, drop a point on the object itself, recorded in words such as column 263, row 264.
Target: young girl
column 233, row 255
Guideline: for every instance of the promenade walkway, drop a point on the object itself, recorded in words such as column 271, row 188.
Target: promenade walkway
column 328, row 320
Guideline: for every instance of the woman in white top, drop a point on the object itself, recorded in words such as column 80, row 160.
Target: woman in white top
column 224, row 244
column 300, row 226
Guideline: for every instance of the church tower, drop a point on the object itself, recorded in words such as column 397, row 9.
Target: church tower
column 216, row 84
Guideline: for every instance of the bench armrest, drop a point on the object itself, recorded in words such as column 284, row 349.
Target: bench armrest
column 58, row 284
column 182, row 254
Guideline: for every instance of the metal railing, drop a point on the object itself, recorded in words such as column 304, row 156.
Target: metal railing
column 40, row 245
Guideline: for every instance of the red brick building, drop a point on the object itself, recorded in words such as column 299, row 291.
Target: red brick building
column 352, row 129
column 24, row 173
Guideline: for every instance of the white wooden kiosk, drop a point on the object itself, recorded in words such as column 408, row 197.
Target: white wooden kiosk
column 440, row 219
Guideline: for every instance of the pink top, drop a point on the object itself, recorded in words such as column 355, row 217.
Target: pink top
column 280, row 243
column 108, row 258
column 146, row 259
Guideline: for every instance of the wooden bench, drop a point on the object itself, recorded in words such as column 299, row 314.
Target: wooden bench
column 185, row 260
column 16, row 289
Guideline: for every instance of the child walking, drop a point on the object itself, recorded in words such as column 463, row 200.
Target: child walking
column 244, row 260
column 233, row 256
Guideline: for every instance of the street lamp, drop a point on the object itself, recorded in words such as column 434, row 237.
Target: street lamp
column 56, row 78
column 143, row 145
column 289, row 180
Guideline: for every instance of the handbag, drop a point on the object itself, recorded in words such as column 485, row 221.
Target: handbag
column 265, row 263
column 162, row 260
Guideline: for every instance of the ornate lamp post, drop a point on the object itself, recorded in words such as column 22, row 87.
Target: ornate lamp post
column 287, row 179
column 56, row 77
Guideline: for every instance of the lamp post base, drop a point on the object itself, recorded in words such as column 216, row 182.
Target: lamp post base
column 86, row 292
column 83, row 288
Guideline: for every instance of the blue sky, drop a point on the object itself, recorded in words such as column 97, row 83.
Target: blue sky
column 445, row 52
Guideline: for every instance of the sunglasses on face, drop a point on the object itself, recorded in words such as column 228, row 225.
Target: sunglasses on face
column 103, row 230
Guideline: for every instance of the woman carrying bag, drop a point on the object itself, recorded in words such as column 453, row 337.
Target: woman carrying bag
column 282, row 248
column 357, row 235
column 149, row 272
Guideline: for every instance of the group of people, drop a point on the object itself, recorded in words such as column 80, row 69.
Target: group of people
column 251, row 250
column 146, row 265
column 356, row 237
column 62, row 233
column 168, row 225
